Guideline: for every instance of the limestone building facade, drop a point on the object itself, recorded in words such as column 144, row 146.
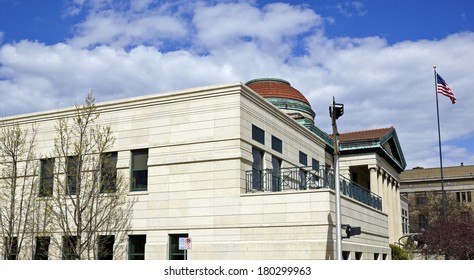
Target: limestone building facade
column 422, row 188
column 242, row 172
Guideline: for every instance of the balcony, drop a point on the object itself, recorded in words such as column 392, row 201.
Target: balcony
column 305, row 178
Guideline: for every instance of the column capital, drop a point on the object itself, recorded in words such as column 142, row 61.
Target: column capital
column 373, row 168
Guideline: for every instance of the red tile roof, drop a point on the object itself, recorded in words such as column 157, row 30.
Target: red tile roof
column 276, row 88
column 364, row 135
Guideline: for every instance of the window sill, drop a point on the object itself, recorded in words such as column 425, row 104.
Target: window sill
column 138, row 192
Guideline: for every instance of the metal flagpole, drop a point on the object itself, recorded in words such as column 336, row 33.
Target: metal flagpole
column 443, row 209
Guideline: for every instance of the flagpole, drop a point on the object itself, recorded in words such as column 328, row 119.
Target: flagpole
column 443, row 209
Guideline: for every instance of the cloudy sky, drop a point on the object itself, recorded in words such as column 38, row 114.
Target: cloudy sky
column 374, row 56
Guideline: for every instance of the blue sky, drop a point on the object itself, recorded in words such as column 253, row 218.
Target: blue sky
column 374, row 56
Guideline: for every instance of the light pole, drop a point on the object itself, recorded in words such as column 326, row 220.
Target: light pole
column 335, row 111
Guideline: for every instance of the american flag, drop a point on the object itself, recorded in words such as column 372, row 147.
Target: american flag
column 444, row 89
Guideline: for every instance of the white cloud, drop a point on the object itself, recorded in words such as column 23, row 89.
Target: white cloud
column 119, row 52
column 352, row 8
column 232, row 23
column 128, row 28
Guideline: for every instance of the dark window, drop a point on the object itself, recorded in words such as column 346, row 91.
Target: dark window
column 11, row 245
column 258, row 134
column 376, row 256
column 108, row 172
column 277, row 145
column 46, row 177
column 136, row 247
column 69, row 248
column 72, row 172
column 314, row 178
column 303, row 173
column 463, row 197
column 420, row 199
column 276, row 174
column 139, row 170
column 358, row 255
column 346, row 255
column 175, row 252
column 42, row 247
column 422, row 222
column 315, row 164
column 257, row 167
column 106, row 247
column 303, row 159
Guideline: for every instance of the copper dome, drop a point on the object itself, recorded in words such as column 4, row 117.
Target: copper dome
column 276, row 88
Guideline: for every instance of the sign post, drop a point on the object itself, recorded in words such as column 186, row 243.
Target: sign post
column 185, row 244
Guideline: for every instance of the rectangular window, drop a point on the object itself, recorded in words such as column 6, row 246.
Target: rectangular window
column 69, row 248
column 303, row 159
column 376, row 256
column 276, row 174
column 257, row 168
column 46, row 177
column 105, row 247
column 42, row 247
column 314, row 180
column 175, row 253
column 11, row 246
column 303, row 173
column 258, row 134
column 422, row 222
column 420, row 199
column 463, row 197
column 315, row 164
column 139, row 170
column 72, row 173
column 277, row 144
column 136, row 247
column 108, row 172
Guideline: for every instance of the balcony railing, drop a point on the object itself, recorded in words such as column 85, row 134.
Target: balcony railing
column 306, row 178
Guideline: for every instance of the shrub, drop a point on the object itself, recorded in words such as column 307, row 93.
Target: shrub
column 398, row 253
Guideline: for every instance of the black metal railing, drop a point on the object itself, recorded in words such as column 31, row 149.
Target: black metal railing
column 304, row 178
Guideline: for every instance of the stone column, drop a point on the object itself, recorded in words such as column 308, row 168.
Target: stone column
column 374, row 184
column 382, row 189
column 399, row 209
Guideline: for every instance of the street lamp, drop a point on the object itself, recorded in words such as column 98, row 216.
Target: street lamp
column 335, row 111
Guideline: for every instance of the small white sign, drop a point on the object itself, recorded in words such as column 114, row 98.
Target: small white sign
column 185, row 243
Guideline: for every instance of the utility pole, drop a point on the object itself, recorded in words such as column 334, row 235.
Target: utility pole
column 335, row 111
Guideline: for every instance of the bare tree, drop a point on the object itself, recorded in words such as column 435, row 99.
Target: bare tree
column 17, row 188
column 437, row 236
column 89, row 205
column 426, row 209
column 452, row 238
